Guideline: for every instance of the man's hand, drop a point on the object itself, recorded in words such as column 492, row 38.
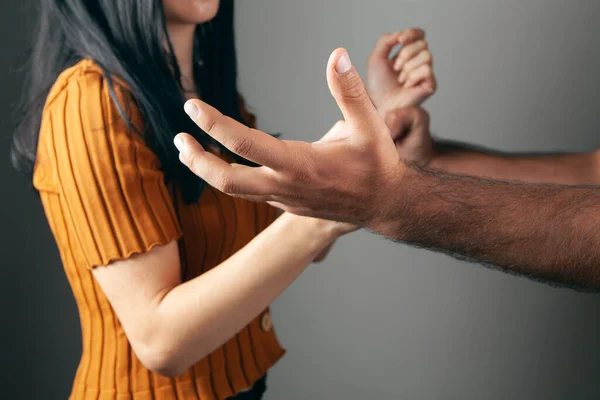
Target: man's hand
column 346, row 176
column 355, row 174
column 407, row 79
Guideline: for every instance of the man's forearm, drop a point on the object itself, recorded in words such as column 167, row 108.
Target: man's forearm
column 563, row 169
column 546, row 232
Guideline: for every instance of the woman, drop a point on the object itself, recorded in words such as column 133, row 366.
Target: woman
column 172, row 279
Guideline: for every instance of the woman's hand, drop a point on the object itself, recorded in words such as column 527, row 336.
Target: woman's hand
column 410, row 132
column 341, row 228
column 407, row 79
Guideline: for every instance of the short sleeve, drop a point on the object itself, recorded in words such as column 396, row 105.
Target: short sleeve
column 114, row 200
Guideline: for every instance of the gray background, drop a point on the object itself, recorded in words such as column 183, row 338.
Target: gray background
column 377, row 320
column 383, row 321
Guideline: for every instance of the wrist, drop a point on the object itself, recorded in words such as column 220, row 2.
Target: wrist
column 322, row 232
column 395, row 201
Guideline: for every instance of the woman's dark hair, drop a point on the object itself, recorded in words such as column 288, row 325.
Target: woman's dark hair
column 128, row 39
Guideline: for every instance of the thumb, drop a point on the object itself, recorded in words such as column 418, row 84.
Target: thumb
column 384, row 45
column 348, row 90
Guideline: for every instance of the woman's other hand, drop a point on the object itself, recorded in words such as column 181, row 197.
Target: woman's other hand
column 405, row 80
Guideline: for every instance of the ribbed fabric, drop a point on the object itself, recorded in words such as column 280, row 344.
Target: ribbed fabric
column 104, row 195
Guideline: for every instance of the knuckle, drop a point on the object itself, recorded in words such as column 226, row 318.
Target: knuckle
column 226, row 185
column 433, row 84
column 419, row 32
column 404, row 53
column 419, row 117
column 241, row 146
column 414, row 33
column 399, row 116
column 209, row 122
column 306, row 172
column 192, row 162
column 427, row 57
column 218, row 180
column 230, row 188
column 384, row 38
column 426, row 70
column 354, row 91
column 366, row 143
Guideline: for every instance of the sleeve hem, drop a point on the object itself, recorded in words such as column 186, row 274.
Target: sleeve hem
column 108, row 259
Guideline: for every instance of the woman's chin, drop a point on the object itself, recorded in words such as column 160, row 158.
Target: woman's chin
column 190, row 11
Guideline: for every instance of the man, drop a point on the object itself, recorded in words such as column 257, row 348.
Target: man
column 409, row 189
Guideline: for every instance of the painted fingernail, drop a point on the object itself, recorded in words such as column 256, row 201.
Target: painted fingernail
column 191, row 109
column 343, row 64
column 179, row 142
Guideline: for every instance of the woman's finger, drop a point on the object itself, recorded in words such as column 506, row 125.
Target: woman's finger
column 408, row 52
column 411, row 35
column 423, row 74
column 384, row 45
column 423, row 58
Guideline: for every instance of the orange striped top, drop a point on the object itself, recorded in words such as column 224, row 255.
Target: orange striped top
column 105, row 199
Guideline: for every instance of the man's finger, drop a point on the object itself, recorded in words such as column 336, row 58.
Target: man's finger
column 251, row 144
column 348, row 90
column 237, row 180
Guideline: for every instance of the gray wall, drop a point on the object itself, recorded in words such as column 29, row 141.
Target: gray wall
column 377, row 320
column 383, row 321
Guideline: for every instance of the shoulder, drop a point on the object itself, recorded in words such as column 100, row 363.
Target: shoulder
column 86, row 84
column 84, row 71
column 83, row 95
column 80, row 118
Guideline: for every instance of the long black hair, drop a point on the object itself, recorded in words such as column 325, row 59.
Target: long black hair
column 126, row 38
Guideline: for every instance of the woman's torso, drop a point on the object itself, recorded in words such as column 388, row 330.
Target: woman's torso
column 208, row 232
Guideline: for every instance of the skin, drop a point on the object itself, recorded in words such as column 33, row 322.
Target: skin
column 366, row 174
column 181, row 18
column 405, row 80
column 173, row 324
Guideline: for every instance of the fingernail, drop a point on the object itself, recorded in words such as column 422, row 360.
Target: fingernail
column 398, row 65
column 179, row 142
column 343, row 64
column 191, row 109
